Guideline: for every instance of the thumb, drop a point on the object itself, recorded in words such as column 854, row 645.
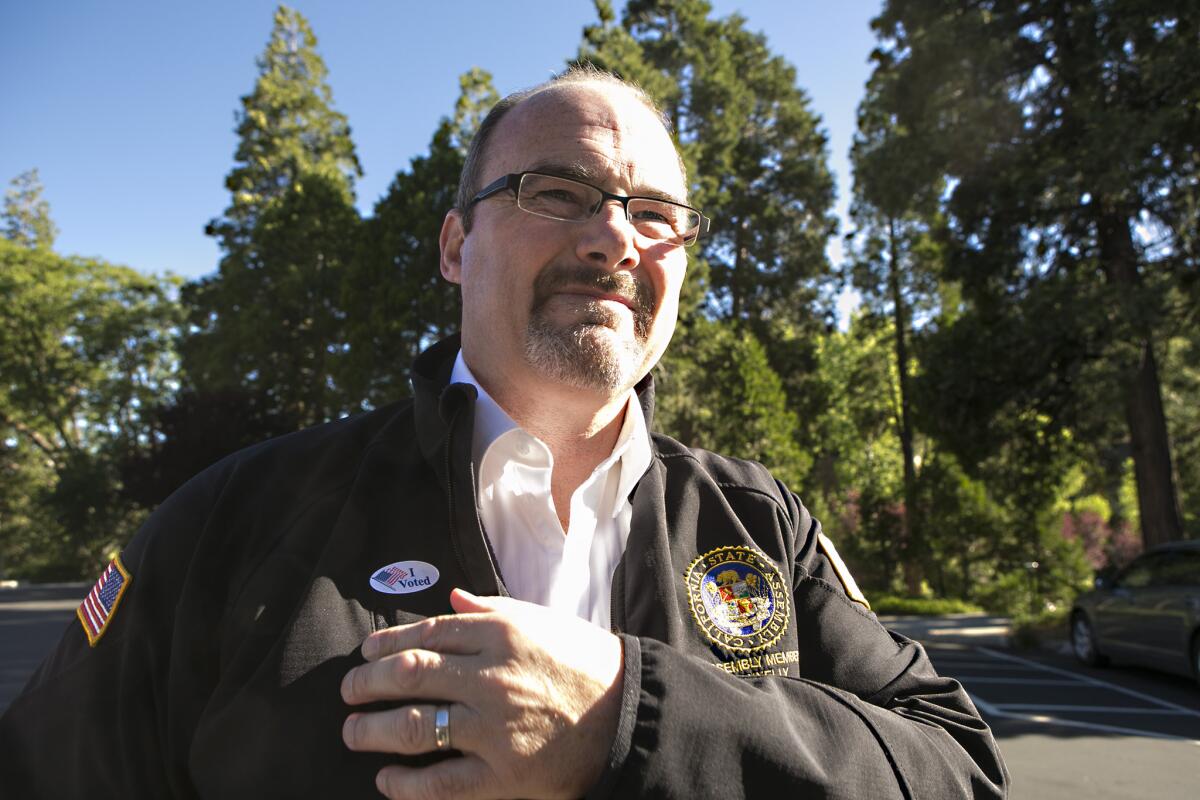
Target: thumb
column 464, row 602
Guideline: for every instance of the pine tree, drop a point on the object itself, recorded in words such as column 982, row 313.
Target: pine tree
column 756, row 159
column 396, row 301
column 754, row 150
column 894, row 260
column 287, row 129
column 27, row 214
column 1067, row 137
column 269, row 322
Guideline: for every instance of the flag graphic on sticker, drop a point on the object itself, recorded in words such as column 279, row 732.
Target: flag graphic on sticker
column 404, row 577
column 98, row 608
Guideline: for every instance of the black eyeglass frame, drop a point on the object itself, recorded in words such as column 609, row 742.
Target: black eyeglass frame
column 512, row 183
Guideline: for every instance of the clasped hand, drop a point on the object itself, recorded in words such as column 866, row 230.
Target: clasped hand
column 534, row 697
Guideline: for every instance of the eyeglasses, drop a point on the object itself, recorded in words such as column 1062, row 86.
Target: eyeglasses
column 574, row 201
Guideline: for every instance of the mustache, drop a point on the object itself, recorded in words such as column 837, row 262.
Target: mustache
column 638, row 294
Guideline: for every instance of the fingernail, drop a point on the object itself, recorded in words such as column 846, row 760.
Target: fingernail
column 370, row 648
column 348, row 729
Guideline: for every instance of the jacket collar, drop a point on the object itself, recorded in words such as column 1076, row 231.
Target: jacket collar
column 437, row 402
column 444, row 417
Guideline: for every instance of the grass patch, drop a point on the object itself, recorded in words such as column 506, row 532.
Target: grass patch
column 921, row 606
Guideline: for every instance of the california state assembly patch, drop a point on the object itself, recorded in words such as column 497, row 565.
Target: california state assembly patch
column 738, row 598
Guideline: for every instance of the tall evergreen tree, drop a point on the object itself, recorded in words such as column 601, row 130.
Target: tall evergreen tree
column 893, row 259
column 724, row 396
column 269, row 321
column 756, row 159
column 395, row 298
column 287, row 129
column 754, row 148
column 27, row 214
column 1066, row 131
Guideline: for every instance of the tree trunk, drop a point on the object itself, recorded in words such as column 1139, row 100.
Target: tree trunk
column 910, row 527
column 1158, row 501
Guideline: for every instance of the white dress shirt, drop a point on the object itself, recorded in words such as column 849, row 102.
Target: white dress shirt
column 539, row 562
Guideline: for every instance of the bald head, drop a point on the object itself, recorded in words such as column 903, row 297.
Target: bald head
column 572, row 86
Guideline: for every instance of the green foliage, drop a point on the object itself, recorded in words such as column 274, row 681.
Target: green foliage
column 755, row 153
column 856, row 484
column 26, row 214
column 269, row 321
column 719, row 392
column 756, row 160
column 84, row 345
column 287, row 128
column 85, row 348
column 921, row 606
column 1062, row 136
column 1019, row 587
column 476, row 96
column 1181, row 396
column 968, row 533
column 1025, row 240
column 1031, row 631
column 395, row 299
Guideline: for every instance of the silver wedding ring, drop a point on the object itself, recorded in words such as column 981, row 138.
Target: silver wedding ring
column 441, row 727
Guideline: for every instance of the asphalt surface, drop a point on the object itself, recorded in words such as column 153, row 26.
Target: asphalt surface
column 1065, row 730
column 32, row 620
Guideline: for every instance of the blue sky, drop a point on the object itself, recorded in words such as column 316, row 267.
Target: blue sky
column 126, row 107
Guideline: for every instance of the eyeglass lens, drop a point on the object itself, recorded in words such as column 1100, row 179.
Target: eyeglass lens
column 562, row 198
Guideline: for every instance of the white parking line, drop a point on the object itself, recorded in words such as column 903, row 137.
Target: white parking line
column 1169, row 712
column 978, row 664
column 992, row 711
column 1158, row 701
column 1017, row 681
column 1035, row 713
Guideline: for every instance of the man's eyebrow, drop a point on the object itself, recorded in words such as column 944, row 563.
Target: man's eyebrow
column 579, row 172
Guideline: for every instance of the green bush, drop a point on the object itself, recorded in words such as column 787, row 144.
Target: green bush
column 923, row 606
column 1030, row 631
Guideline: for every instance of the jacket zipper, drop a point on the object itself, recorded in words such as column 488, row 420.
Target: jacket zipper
column 462, row 561
column 616, row 591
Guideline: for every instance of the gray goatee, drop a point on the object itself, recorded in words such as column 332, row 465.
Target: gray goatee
column 587, row 353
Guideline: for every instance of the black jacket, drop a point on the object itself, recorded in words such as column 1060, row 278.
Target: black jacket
column 748, row 669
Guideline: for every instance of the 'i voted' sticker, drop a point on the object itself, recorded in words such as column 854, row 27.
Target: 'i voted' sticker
column 404, row 577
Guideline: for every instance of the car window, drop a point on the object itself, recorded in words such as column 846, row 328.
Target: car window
column 1141, row 573
column 1178, row 569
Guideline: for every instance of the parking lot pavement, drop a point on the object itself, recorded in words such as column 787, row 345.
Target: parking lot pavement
column 1067, row 730
column 32, row 620
column 1010, row 686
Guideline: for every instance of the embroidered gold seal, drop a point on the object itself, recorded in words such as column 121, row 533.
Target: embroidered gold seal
column 738, row 598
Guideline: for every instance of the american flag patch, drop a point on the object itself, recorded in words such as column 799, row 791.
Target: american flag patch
column 97, row 609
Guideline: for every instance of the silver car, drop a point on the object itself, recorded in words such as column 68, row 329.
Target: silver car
column 1148, row 613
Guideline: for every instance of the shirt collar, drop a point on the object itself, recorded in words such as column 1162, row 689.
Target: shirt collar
column 491, row 422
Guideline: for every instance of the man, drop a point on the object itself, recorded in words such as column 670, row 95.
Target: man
column 507, row 587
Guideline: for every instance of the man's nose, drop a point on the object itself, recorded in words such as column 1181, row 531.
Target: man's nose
column 609, row 238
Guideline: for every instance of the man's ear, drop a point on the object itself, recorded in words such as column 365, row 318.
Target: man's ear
column 450, row 241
